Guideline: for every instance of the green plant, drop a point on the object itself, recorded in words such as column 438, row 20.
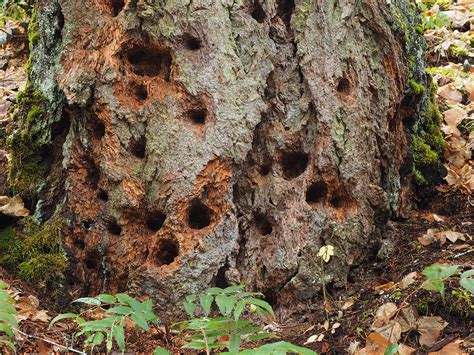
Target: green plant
column 229, row 331
column 8, row 321
column 433, row 18
column 437, row 274
column 117, row 311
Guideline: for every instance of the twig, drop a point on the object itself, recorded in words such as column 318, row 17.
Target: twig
column 51, row 342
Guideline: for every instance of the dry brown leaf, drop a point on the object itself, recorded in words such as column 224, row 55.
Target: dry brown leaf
column 347, row 305
column 391, row 331
column 429, row 237
column 441, row 236
column 433, row 217
column 449, row 92
column 429, row 336
column 453, row 236
column 375, row 344
column 385, row 287
column 405, row 349
column 408, row 280
column 14, row 207
column 42, row 316
column 450, row 349
column 454, row 116
column 430, row 329
column 407, row 319
column 385, row 313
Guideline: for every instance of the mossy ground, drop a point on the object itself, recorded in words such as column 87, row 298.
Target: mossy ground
column 36, row 254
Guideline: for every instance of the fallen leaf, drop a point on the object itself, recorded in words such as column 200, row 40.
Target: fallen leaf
column 42, row 316
column 384, row 314
column 405, row 349
column 450, row 349
column 347, row 305
column 454, row 116
column 429, row 336
column 433, row 217
column 14, row 207
column 453, row 236
column 449, row 92
column 430, row 329
column 392, row 331
column 385, row 287
column 311, row 339
column 353, row 347
column 407, row 319
column 374, row 344
column 408, row 280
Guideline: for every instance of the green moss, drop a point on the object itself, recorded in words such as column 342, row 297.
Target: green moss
column 33, row 34
column 35, row 254
column 302, row 12
column 28, row 143
column 415, row 87
column 458, row 51
column 427, row 141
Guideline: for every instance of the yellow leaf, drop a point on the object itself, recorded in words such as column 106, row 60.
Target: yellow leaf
column 326, row 252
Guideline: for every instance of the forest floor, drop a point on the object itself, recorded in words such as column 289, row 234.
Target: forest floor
column 384, row 298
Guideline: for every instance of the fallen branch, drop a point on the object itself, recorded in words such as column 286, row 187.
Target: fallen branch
column 51, row 342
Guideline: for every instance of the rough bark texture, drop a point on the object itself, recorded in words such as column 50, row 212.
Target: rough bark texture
column 198, row 143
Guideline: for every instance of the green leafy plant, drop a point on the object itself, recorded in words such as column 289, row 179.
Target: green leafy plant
column 229, row 331
column 432, row 18
column 118, row 311
column 437, row 274
column 8, row 321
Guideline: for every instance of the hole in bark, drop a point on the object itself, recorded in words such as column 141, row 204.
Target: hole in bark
column 285, row 10
column 316, row 193
column 340, row 198
column 344, row 86
column 257, row 12
column 102, row 195
column 93, row 174
column 294, row 164
column 116, row 6
column 155, row 222
column 99, row 130
column 150, row 61
column 92, row 260
column 193, row 43
column 263, row 225
column 167, row 252
column 199, row 215
column 220, row 279
column 138, row 148
column 197, row 117
column 114, row 228
column 265, row 169
column 87, row 224
column 62, row 127
column 141, row 92
column 79, row 243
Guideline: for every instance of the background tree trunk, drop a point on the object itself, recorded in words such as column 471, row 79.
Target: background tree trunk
column 199, row 143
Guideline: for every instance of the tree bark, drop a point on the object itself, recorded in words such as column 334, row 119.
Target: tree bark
column 201, row 143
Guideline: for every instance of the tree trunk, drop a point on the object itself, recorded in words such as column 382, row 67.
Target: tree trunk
column 198, row 143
